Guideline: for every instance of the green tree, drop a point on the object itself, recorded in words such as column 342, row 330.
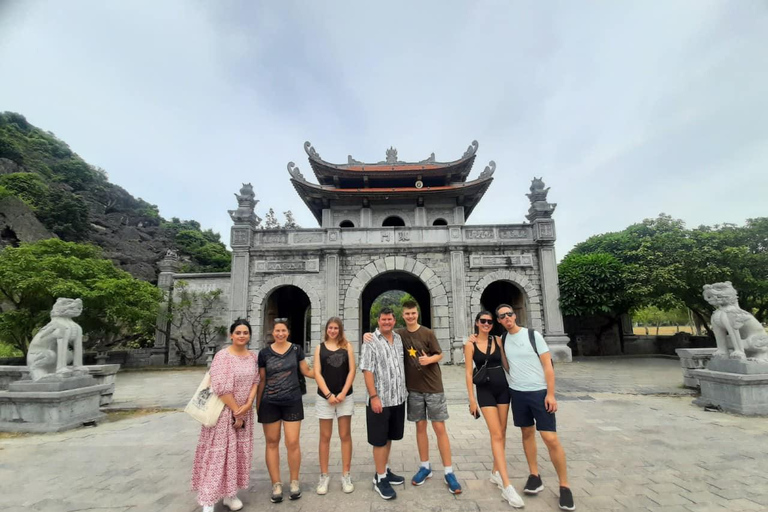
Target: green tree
column 27, row 186
column 116, row 307
column 666, row 265
column 192, row 321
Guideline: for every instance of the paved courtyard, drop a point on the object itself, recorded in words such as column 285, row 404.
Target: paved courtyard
column 634, row 442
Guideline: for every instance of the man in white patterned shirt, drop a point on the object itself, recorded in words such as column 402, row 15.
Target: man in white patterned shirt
column 381, row 362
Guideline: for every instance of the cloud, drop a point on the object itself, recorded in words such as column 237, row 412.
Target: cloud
column 626, row 110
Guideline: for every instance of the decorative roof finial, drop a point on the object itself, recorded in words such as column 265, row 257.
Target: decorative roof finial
column 391, row 155
column 489, row 170
column 471, row 150
column 311, row 151
column 540, row 208
column 295, row 172
column 246, row 203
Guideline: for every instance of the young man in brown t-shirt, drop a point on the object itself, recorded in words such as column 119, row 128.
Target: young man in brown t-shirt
column 426, row 399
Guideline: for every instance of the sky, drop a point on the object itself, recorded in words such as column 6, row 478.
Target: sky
column 625, row 109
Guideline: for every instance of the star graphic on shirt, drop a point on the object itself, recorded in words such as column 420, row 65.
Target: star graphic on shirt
column 412, row 352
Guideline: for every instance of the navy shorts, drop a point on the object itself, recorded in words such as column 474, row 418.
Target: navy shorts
column 528, row 408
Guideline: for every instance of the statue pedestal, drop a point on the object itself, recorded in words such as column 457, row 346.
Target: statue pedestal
column 735, row 386
column 693, row 359
column 31, row 410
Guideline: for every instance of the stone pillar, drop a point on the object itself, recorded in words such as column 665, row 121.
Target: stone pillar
column 327, row 218
column 241, row 239
column 458, row 215
column 168, row 266
column 331, row 285
column 241, row 264
column 420, row 216
column 459, row 296
column 554, row 331
column 540, row 214
column 366, row 218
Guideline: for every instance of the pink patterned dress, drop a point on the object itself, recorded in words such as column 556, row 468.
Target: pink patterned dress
column 223, row 456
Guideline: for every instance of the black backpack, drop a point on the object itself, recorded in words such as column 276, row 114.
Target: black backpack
column 531, row 339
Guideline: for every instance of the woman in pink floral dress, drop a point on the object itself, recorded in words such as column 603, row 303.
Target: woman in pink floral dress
column 224, row 451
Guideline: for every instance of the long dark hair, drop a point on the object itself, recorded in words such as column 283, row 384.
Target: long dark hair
column 240, row 321
column 483, row 312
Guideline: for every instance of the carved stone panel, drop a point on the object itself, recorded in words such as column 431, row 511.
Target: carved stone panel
column 501, row 261
column 403, row 236
column 312, row 265
column 308, row 238
column 455, row 233
column 274, row 238
column 480, row 234
column 513, row 233
column 241, row 237
column 545, row 230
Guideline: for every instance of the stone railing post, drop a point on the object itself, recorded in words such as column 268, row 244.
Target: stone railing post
column 169, row 265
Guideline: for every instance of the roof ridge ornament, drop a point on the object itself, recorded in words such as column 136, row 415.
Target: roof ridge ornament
column 391, row 155
column 489, row 170
column 311, row 151
column 429, row 160
column 471, row 150
column 352, row 161
column 295, row 172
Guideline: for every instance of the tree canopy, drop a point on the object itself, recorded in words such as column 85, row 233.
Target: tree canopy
column 117, row 308
column 661, row 263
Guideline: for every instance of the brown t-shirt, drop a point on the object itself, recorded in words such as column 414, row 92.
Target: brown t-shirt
column 423, row 379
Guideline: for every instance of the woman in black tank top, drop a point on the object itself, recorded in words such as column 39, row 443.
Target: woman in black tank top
column 335, row 372
column 492, row 396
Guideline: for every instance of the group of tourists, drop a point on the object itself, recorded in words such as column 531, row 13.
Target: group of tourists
column 400, row 366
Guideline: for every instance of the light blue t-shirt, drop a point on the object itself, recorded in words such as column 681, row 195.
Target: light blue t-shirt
column 525, row 371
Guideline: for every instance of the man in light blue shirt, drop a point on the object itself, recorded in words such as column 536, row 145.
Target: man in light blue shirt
column 532, row 381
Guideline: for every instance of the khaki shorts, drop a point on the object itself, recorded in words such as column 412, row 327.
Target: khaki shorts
column 423, row 406
column 326, row 411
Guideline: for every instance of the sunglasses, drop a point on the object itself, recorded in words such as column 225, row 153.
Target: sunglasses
column 486, row 321
column 505, row 315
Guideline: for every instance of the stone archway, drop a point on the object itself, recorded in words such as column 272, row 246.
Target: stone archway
column 259, row 303
column 532, row 297
column 438, row 295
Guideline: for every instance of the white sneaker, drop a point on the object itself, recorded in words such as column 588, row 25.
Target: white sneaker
column 207, row 508
column 496, row 479
column 514, row 499
column 233, row 503
column 346, row 483
column 322, row 484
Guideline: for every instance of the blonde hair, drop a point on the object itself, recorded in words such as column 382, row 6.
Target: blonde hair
column 341, row 340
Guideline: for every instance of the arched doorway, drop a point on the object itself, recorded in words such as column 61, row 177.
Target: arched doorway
column 504, row 292
column 389, row 281
column 292, row 304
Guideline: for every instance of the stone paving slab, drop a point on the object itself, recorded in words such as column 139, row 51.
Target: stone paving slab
column 172, row 389
column 625, row 452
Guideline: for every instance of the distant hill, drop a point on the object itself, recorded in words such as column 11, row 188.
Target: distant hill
column 47, row 190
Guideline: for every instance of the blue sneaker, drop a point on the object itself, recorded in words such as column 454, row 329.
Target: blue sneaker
column 394, row 479
column 421, row 475
column 384, row 489
column 453, row 485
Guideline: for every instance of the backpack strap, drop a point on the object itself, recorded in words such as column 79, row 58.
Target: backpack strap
column 532, row 339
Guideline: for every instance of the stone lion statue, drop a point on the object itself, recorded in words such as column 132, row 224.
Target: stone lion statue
column 58, row 343
column 734, row 328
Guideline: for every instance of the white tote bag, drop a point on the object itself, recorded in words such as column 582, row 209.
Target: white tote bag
column 205, row 405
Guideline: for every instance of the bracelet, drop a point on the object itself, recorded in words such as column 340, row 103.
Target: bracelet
column 373, row 396
column 328, row 395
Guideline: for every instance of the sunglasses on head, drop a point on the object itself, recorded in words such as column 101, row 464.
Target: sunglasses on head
column 485, row 321
column 505, row 315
